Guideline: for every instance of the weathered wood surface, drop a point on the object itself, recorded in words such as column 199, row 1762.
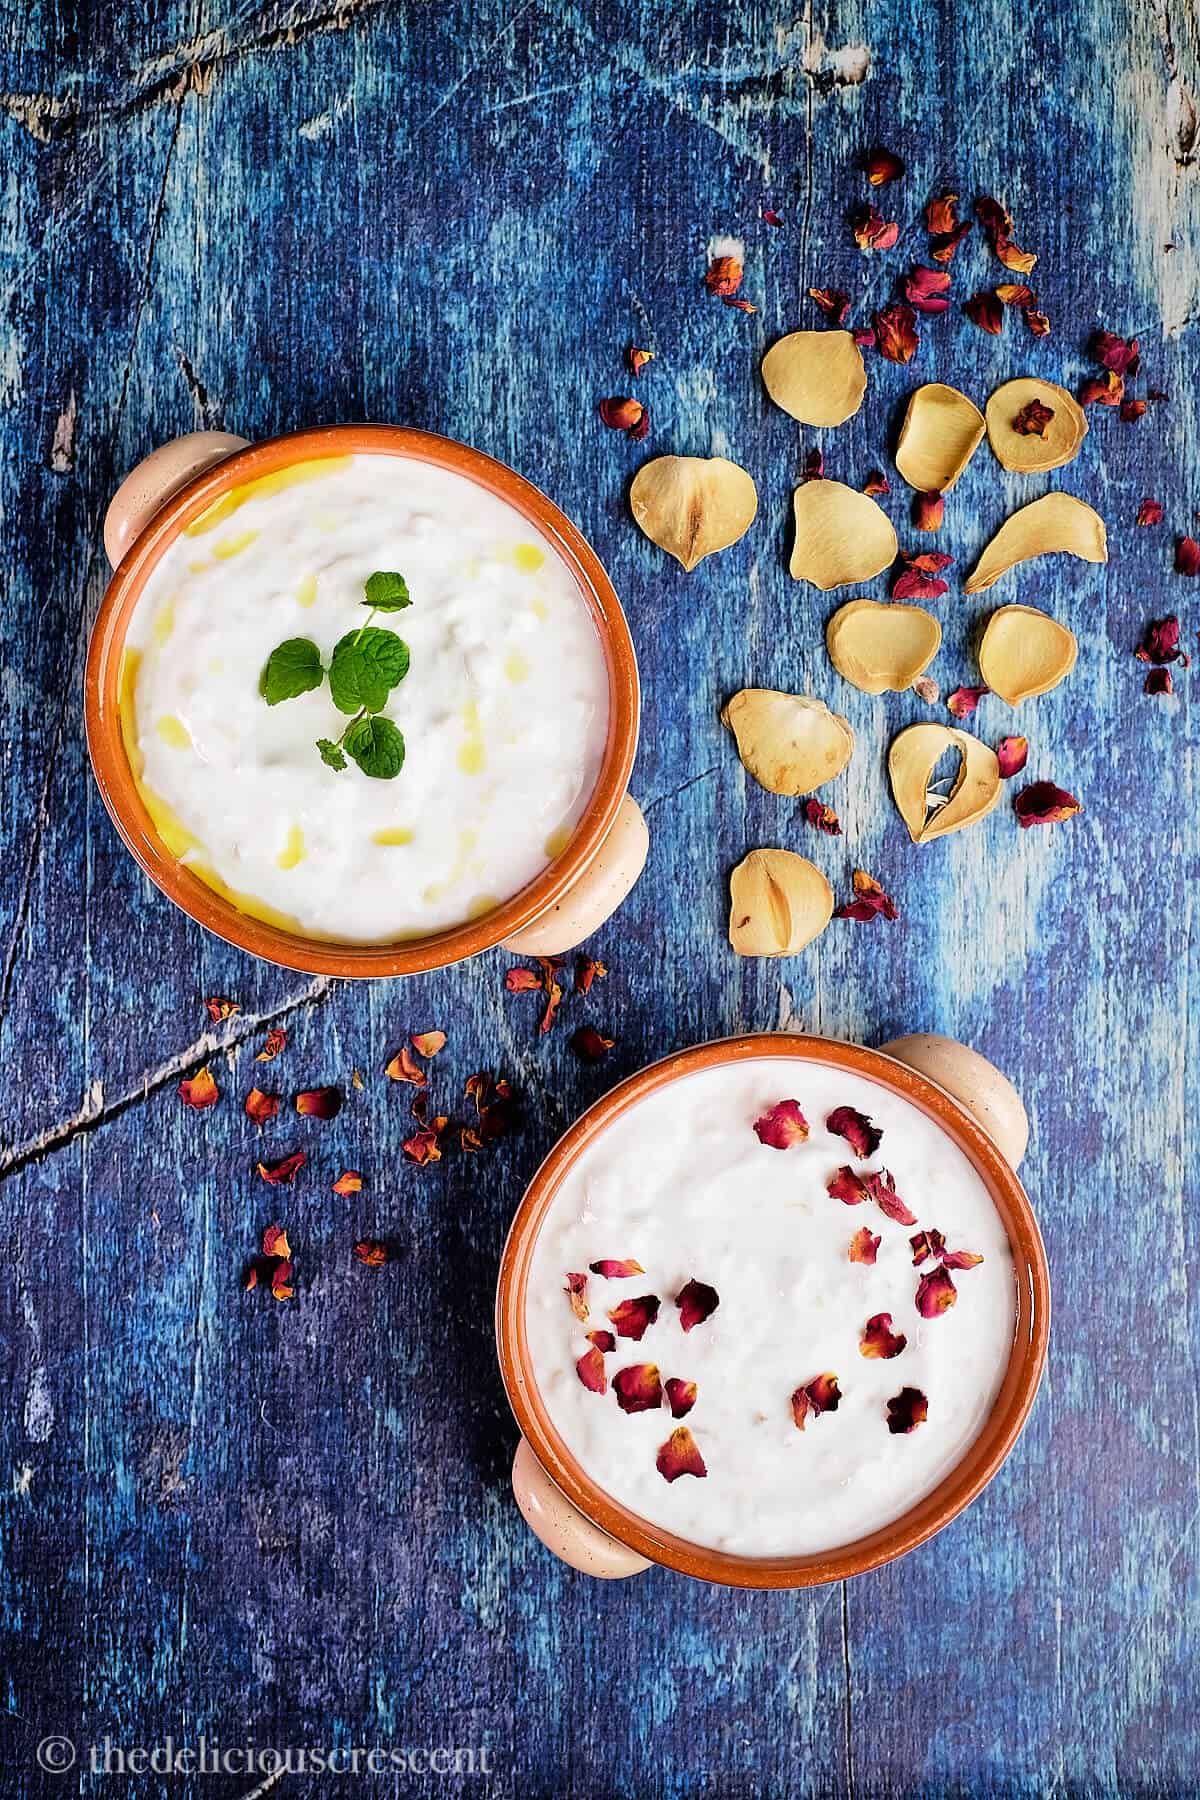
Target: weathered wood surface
column 230, row 1517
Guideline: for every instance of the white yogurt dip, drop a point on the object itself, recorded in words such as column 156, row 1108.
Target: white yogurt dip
column 681, row 1184
column 504, row 711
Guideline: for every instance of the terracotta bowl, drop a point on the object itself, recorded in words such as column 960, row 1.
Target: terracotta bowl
column 981, row 1113
column 568, row 900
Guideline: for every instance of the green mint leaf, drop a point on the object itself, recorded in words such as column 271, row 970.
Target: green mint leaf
column 377, row 747
column 366, row 666
column 293, row 668
column 386, row 592
column 331, row 754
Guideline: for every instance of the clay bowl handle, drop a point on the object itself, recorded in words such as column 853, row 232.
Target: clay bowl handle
column 563, row 1528
column 150, row 485
column 596, row 895
column 974, row 1082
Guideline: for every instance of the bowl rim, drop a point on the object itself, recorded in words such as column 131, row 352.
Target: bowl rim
column 118, row 787
column 983, row 1457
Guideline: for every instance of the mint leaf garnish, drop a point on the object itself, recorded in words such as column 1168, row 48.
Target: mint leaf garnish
column 293, row 668
column 366, row 666
column 331, row 755
column 377, row 747
column 386, row 592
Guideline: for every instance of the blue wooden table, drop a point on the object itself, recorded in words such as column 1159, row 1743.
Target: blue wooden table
column 291, row 1523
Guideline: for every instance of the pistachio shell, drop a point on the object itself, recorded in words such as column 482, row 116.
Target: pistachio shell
column 841, row 535
column 779, row 902
column 1026, row 451
column 1056, row 522
column 790, row 743
column 877, row 645
column 941, row 432
column 817, row 376
column 691, row 506
column 1024, row 652
column 911, row 761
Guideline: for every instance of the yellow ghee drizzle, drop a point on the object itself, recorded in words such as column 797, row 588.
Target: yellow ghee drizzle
column 528, row 558
column 557, row 842
column 275, row 483
column 392, row 834
column 516, row 668
column 164, row 623
column 306, row 594
column 233, row 546
column 293, row 851
column 472, row 757
column 173, row 732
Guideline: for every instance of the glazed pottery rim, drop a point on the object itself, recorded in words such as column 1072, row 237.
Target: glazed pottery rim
column 119, row 788
column 983, row 1457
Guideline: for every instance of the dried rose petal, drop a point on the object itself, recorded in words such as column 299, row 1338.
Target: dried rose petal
column 847, row 1122
column 1119, row 354
column 723, row 275
column 1033, row 419
column 636, row 359
column 348, row 1182
column 273, row 1043
column 1038, row 322
column 616, row 1268
column 275, row 1242
column 587, row 970
column 746, row 306
column 928, row 290
column 864, row 337
column 403, row 1068
column 588, row 1044
column 921, row 577
column 832, row 302
column 590, row 1370
column 549, row 966
column 872, row 231
column 928, row 511
column 319, row 1103
column 680, row 1455
column 936, row 1293
column 878, row 1342
column 200, row 1091
column 941, row 214
column 372, row 1253
column 681, row 1396
column 621, row 412
column 960, row 1259
column 770, row 216
column 986, row 311
column 603, row 1340
column 696, row 1302
column 425, row 1146
column 943, row 244
column 220, row 1009
column 1015, row 293
column 638, row 1387
column 633, row 1318
column 820, row 1395
column 1158, row 681
column 881, row 1189
column 1102, row 390
column 783, row 1126
column 523, row 981
column 876, row 482
column 963, row 701
column 926, row 1244
column 846, row 1186
column 1132, row 411
column 1150, row 512
column 575, row 1288
column 1160, row 642
column 895, row 329
column 260, row 1107
column 1041, row 803
column 823, row 818
column 428, row 1043
column 1187, row 557
column 814, row 467
column 882, row 166
column 864, row 1245
column 284, row 1171
column 1012, row 753
column 281, row 1281
column 909, row 1409
column 869, row 901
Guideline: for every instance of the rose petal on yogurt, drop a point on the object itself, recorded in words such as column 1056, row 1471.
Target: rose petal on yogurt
column 633, row 1318
column 847, row 1187
column 863, row 1137
column 881, row 1189
column 428, row 1043
column 575, row 1288
column 696, row 1302
column 319, row 1103
column 638, row 1387
column 960, row 1259
column 878, row 1341
column 783, row 1126
column 681, row 1396
column 936, row 1293
column 926, row 1244
column 260, row 1107
column 348, row 1182
column 864, row 1245
column 908, row 1409
column 283, row 1172
column 273, row 1043
column 820, row 1395
column 200, row 1091
column 616, row 1268
column 680, row 1455
column 604, row 1341
column 590, row 1370
column 403, row 1068
column 425, row 1146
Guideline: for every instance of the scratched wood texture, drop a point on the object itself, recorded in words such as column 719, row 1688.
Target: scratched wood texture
column 226, row 1516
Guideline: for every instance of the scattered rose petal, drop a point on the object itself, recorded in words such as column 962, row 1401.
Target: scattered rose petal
column 633, row 1318
column 680, row 1455
column 960, row 1259
column 741, row 305
column 590, row 1370
column 1015, row 293
column 941, row 214
column 783, row 1126
column 876, row 483
column 878, row 1342
column 881, row 1189
column 281, row 1281
column 963, row 701
column 936, row 1293
column 200, row 1091
column 220, row 1009
column 1118, row 354
column 523, row 981
column 863, row 1137
column 921, row 575
column 1038, row 322
column 638, row 1388
column 926, row 1245
column 425, row 1146
column 864, row 1245
column 872, row 231
column 275, row 1242
column 821, row 1395
column 403, row 1068
column 1102, row 390
column 1041, row 803
column 814, row 466
column 283, row 1172
column 575, row 1288
column 549, row 966
column 1012, row 753
column 909, row 1409
column 260, row 1107
column 823, row 818
column 696, row 1302
column 1160, row 642
column 895, row 329
column 997, row 224
column 621, row 413
column 372, row 1253
column 869, row 901
column 770, row 216
column 319, row 1103
column 588, row 1044
column 587, row 970
column 928, row 290
column 1033, row 419
column 1132, row 411
column 832, row 302
column 864, row 337
column 928, row 511
column 882, row 166
column 1158, row 681
column 846, row 1186
column 428, row 1043
column 986, row 311
column 1187, row 557
column 1150, row 512
column 603, row 1340
column 636, row 359
column 943, row 244
column 723, row 276
column 616, row 1268
column 275, row 1039
column 348, row 1182
column 681, row 1396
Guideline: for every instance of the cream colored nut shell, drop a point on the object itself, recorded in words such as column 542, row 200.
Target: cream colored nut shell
column 597, row 893
column 841, row 535
column 1024, row 652
column 941, row 432
column 974, row 1082
column 819, row 377
column 563, row 1528
column 1056, row 522
column 1030, row 453
column 791, row 743
column 912, row 758
column 876, row 645
column 692, row 506
column 151, row 484
column 778, row 903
